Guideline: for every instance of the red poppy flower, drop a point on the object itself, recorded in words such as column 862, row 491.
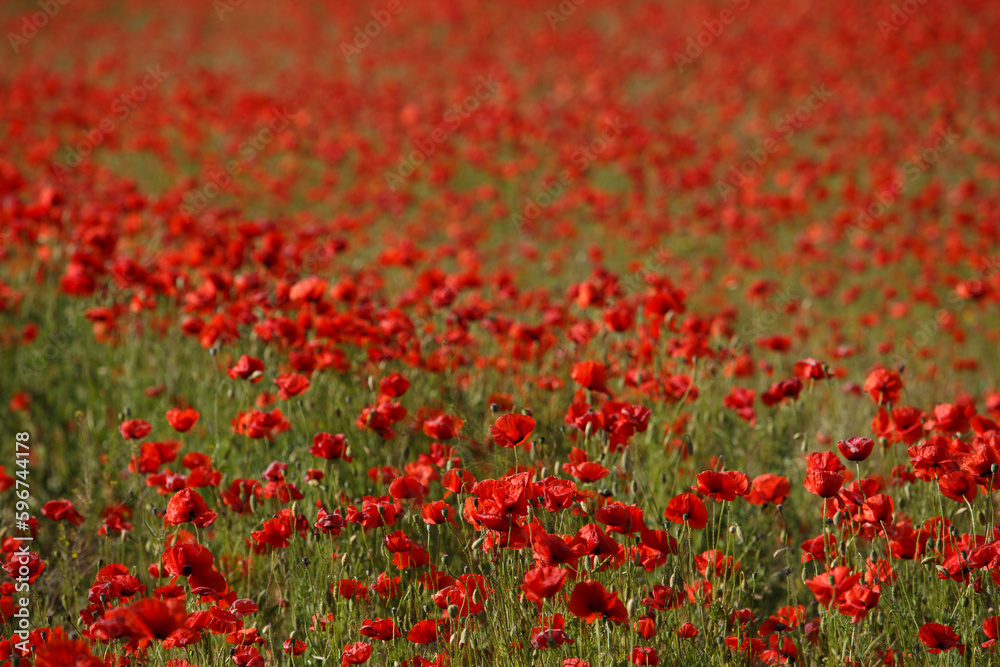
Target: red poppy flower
column 590, row 601
column 442, row 427
column 185, row 560
column 991, row 626
column 780, row 391
column 64, row 652
column 878, row 509
column 587, row 471
column 457, row 480
column 687, row 508
column 294, row 646
column 959, row 486
column 823, row 483
column 884, row 386
column 858, row 601
column 644, row 655
column 186, row 506
column 275, row 532
column 330, row 447
column 384, row 629
column 937, row 638
column 543, row 582
column 182, row 420
column 424, row 632
column 769, row 489
column 393, row 385
column 352, row 589
column 62, row 510
column 856, row 449
column 356, row 653
column 825, row 461
column 135, row 429
column 17, row 561
column 687, row 631
column 645, row 626
column 829, row 587
column 590, row 375
column 248, row 368
column 291, row 384
column 810, row 369
column 550, row 633
column 722, row 486
column 512, row 430
column 408, row 487
column 741, row 401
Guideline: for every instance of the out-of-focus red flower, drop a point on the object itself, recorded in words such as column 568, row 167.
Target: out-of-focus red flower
column 644, row 655
column 291, row 384
column 182, row 420
column 248, row 368
column 62, row 510
column 135, row 429
column 884, row 386
column 687, row 631
column 591, row 375
column 810, row 369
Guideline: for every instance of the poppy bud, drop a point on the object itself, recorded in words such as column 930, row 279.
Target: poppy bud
column 453, row 611
column 213, row 351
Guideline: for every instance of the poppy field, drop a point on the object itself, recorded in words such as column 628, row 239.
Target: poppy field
column 554, row 332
